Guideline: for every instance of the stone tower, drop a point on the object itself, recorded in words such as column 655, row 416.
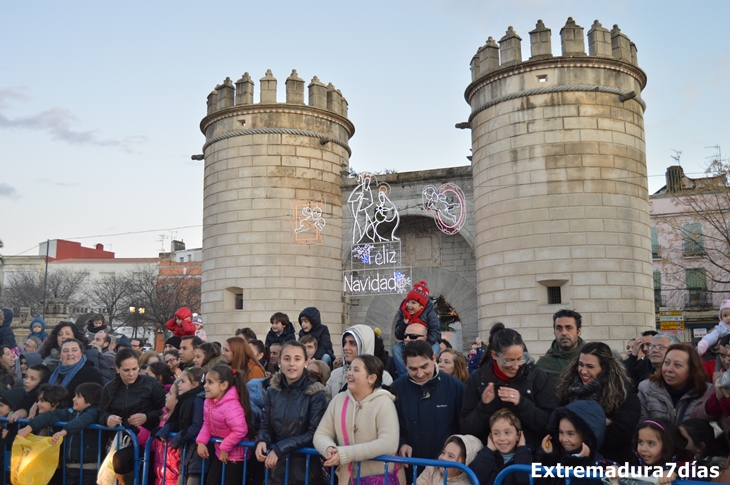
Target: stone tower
column 272, row 236
column 560, row 184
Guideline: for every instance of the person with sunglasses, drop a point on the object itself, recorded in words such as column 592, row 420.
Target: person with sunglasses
column 413, row 333
column 507, row 377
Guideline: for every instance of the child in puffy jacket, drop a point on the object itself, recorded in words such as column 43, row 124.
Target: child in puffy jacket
column 38, row 329
column 167, row 462
column 720, row 330
column 182, row 323
column 226, row 415
column 311, row 323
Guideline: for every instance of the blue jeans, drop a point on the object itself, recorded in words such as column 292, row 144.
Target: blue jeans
column 327, row 359
column 398, row 357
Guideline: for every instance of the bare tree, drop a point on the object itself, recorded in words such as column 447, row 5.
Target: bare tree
column 694, row 254
column 111, row 293
column 26, row 288
column 23, row 289
column 161, row 297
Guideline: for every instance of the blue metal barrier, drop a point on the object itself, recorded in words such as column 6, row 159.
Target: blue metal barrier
column 530, row 469
column 149, row 474
column 66, row 442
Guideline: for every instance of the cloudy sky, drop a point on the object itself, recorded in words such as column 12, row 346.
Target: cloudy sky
column 100, row 102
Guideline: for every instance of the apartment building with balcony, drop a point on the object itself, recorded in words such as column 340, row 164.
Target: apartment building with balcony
column 690, row 242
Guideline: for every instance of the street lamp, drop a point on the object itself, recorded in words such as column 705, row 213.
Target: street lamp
column 137, row 313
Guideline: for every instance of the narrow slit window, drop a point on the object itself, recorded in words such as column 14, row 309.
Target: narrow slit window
column 553, row 294
column 542, row 78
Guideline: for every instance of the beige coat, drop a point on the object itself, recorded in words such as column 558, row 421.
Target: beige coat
column 372, row 430
column 435, row 476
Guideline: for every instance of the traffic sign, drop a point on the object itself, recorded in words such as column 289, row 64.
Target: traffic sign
column 671, row 325
column 672, row 313
column 671, row 319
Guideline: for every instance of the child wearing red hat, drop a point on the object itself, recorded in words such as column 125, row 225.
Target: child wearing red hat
column 182, row 323
column 416, row 308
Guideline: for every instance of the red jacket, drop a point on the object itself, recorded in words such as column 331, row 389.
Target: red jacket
column 187, row 327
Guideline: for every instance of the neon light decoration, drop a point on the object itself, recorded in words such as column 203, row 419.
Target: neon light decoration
column 375, row 217
column 447, row 206
column 375, row 268
column 307, row 221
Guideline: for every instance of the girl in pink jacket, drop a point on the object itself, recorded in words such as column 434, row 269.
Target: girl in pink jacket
column 227, row 414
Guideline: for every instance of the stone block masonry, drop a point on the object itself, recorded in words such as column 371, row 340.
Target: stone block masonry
column 559, row 178
column 259, row 158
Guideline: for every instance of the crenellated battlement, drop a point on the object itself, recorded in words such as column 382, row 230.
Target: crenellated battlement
column 228, row 94
column 602, row 43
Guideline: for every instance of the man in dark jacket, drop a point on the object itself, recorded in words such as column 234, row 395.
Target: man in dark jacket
column 565, row 347
column 428, row 403
column 7, row 336
column 311, row 323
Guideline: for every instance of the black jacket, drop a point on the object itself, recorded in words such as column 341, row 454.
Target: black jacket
column 186, row 420
column 76, row 423
column 7, row 336
column 488, row 463
column 638, row 370
column 291, row 415
column 146, row 395
column 88, row 373
column 537, row 402
column 319, row 331
column 620, row 433
column 286, row 335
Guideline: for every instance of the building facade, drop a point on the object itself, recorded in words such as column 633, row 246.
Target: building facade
column 552, row 213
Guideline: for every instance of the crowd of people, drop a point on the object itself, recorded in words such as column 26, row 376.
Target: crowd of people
column 579, row 404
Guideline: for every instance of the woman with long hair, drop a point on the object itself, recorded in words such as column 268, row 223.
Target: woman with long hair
column 239, row 356
column 453, row 363
column 359, row 424
column 507, row 377
column 598, row 376
column 51, row 348
column 132, row 400
column 208, row 356
column 674, row 391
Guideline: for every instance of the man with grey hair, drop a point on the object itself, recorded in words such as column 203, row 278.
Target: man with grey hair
column 657, row 350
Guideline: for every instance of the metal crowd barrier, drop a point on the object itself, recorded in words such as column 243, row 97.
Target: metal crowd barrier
column 595, row 479
column 148, row 472
column 83, row 471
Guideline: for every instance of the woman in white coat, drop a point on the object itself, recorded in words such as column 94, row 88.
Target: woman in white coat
column 359, row 424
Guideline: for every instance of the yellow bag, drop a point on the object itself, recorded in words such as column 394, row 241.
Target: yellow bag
column 34, row 460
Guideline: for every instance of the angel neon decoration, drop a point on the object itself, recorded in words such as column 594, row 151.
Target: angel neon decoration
column 307, row 221
column 447, row 206
column 375, row 217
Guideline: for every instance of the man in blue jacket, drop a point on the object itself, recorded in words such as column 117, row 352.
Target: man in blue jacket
column 429, row 403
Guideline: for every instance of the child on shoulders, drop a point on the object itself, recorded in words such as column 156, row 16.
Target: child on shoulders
column 416, row 308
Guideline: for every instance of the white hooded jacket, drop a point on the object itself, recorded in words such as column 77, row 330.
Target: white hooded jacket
column 365, row 338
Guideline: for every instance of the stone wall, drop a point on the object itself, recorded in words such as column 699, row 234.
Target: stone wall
column 259, row 160
column 560, row 185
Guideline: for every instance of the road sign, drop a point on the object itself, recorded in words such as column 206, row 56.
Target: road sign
column 699, row 332
column 672, row 313
column 671, row 319
column 671, row 325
